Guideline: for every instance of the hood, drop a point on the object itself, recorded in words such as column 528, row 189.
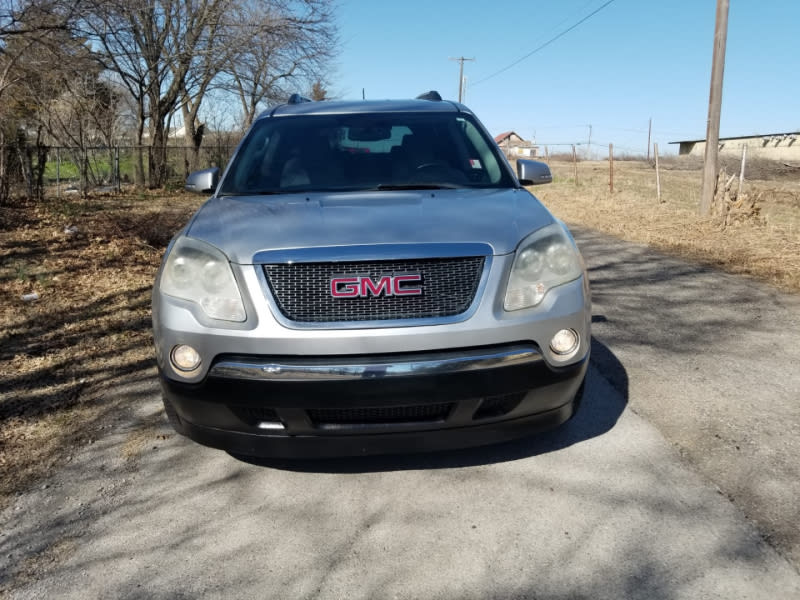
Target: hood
column 242, row 226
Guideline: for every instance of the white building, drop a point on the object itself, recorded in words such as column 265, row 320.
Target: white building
column 774, row 146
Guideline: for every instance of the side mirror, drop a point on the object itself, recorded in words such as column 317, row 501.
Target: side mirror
column 533, row 172
column 203, row 182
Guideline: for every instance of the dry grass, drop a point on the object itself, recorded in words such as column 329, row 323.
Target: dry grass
column 90, row 327
column 766, row 247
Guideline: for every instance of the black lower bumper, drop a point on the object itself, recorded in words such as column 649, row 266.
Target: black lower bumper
column 258, row 445
column 419, row 413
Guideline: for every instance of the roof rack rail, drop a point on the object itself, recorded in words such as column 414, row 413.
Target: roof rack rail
column 432, row 95
column 298, row 99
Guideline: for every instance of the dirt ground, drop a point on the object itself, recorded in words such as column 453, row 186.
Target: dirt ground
column 92, row 263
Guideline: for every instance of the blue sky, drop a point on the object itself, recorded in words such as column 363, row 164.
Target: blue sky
column 633, row 60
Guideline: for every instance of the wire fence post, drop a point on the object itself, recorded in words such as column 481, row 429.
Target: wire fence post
column 58, row 173
column 741, row 171
column 611, row 168
column 84, row 172
column 658, row 175
column 575, row 163
column 117, row 174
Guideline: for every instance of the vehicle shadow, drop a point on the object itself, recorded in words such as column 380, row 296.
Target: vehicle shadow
column 604, row 400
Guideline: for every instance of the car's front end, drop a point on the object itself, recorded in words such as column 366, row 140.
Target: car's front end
column 381, row 311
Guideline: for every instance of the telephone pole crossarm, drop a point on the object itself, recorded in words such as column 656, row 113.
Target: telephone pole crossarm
column 460, row 61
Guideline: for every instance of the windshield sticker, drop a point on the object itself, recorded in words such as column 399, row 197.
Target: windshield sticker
column 475, row 163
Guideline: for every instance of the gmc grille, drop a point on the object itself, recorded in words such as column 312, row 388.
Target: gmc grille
column 302, row 290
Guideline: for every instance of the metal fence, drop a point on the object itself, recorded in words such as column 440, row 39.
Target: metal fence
column 63, row 170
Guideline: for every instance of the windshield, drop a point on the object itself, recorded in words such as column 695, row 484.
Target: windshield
column 364, row 152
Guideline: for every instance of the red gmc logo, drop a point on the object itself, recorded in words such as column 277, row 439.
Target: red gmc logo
column 387, row 285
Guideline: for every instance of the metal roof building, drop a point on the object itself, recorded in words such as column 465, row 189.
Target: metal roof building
column 774, row 146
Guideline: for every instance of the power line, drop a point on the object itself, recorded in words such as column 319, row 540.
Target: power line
column 547, row 43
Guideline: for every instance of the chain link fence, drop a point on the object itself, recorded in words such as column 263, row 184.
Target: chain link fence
column 33, row 171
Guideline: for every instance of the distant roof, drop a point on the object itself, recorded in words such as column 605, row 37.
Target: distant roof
column 507, row 134
column 741, row 137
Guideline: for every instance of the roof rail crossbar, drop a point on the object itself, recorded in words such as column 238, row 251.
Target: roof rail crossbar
column 298, row 99
column 432, row 95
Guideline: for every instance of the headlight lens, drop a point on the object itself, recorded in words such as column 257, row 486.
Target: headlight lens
column 544, row 260
column 200, row 273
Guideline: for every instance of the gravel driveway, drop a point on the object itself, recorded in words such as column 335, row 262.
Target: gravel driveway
column 678, row 479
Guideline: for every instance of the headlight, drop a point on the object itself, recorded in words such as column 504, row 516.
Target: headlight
column 200, row 273
column 544, row 260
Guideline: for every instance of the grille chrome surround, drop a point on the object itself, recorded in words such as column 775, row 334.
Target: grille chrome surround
column 301, row 291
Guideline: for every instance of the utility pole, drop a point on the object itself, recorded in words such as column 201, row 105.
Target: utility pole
column 611, row 168
column 649, row 131
column 658, row 174
column 711, row 160
column 460, row 61
column 589, row 144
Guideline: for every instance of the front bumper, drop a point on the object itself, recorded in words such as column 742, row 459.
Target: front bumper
column 355, row 405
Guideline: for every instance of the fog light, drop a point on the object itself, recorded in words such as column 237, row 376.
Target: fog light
column 185, row 358
column 564, row 342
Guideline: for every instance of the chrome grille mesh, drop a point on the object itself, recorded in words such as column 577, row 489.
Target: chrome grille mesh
column 302, row 290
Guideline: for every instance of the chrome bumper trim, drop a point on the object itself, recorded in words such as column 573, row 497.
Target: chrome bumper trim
column 344, row 369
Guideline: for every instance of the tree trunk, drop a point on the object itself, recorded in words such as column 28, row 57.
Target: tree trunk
column 138, row 163
column 158, row 156
column 24, row 157
column 4, row 183
column 197, row 141
column 193, row 137
column 41, row 163
column 84, row 173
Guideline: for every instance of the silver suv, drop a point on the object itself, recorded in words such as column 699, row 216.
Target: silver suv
column 370, row 277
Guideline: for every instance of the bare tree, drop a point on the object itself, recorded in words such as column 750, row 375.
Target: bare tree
column 152, row 45
column 258, row 50
column 35, row 45
column 212, row 51
column 166, row 55
column 221, row 136
column 84, row 116
column 25, row 17
column 288, row 44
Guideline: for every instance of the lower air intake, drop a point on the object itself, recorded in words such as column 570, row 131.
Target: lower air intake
column 378, row 415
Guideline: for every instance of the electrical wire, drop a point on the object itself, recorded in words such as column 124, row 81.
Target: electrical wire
column 544, row 45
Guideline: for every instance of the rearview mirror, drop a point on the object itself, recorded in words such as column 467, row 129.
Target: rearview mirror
column 533, row 172
column 375, row 133
column 203, row 182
